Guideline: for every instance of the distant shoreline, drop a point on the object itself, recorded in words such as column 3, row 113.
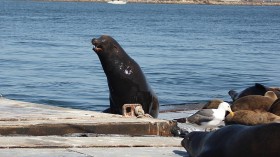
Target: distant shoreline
column 206, row 2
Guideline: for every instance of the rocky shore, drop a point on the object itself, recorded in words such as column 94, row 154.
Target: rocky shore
column 208, row 2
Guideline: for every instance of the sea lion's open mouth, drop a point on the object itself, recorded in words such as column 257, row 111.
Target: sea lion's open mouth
column 97, row 47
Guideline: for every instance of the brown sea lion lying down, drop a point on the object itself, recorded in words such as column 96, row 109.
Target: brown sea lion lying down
column 275, row 107
column 235, row 141
column 254, row 102
column 247, row 117
column 257, row 89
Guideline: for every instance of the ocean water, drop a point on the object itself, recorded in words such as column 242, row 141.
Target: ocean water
column 189, row 53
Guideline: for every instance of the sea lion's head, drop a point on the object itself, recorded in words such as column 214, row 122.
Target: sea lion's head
column 276, row 90
column 194, row 141
column 105, row 44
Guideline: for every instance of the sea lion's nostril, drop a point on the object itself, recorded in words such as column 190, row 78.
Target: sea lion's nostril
column 93, row 41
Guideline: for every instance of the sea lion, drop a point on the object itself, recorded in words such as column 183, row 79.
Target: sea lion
column 254, row 102
column 257, row 89
column 275, row 107
column 235, row 141
column 126, row 81
column 247, row 117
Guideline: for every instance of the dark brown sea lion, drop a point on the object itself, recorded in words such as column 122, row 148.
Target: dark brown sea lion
column 257, row 89
column 275, row 107
column 126, row 81
column 254, row 102
column 247, row 117
column 235, row 141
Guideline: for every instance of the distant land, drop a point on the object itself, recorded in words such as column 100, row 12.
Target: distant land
column 210, row 2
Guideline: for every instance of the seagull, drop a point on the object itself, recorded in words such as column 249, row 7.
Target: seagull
column 210, row 117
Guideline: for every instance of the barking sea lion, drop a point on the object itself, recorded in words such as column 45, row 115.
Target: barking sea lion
column 126, row 81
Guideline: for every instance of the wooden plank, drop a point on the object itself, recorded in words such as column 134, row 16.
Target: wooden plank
column 87, row 142
column 23, row 118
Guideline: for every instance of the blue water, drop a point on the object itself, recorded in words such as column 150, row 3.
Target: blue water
column 189, row 53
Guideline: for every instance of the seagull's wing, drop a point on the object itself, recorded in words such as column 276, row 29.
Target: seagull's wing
column 204, row 115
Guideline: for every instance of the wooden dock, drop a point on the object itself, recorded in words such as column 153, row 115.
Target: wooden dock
column 23, row 118
column 29, row 129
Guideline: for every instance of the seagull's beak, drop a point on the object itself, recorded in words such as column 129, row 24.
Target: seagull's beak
column 231, row 113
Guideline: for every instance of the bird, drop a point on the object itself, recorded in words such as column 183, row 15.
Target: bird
column 209, row 118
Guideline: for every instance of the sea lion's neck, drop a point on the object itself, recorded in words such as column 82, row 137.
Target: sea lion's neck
column 111, row 64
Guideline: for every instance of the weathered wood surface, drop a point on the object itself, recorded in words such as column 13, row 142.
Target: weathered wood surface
column 96, row 152
column 87, row 142
column 23, row 118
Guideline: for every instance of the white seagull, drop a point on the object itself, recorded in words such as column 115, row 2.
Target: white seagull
column 210, row 117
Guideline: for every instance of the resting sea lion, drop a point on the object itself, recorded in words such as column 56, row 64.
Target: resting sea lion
column 247, row 117
column 275, row 107
column 254, row 102
column 257, row 89
column 235, row 141
column 126, row 81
